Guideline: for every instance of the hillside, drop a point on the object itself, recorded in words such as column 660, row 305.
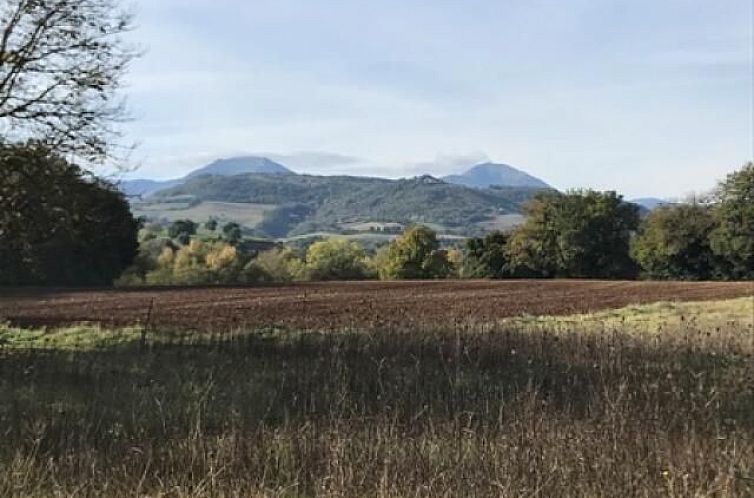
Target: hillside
column 239, row 165
column 307, row 203
column 144, row 188
column 222, row 167
column 491, row 174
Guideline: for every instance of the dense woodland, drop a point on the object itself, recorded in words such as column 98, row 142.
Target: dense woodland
column 306, row 203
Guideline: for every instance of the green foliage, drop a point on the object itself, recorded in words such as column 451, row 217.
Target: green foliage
column 336, row 259
column 59, row 225
column 673, row 243
column 182, row 230
column 150, row 231
column 485, row 256
column 733, row 237
column 145, row 262
column 415, row 255
column 211, row 225
column 232, row 233
column 275, row 265
column 582, row 234
column 196, row 263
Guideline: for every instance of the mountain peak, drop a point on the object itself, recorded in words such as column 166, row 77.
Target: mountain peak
column 493, row 174
column 240, row 165
column 426, row 180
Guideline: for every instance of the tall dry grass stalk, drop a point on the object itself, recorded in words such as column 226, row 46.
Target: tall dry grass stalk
column 517, row 409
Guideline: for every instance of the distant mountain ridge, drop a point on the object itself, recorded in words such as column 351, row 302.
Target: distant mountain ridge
column 480, row 176
column 491, row 174
column 240, row 165
column 651, row 203
column 222, row 167
column 296, row 204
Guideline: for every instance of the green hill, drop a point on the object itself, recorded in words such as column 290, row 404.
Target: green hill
column 306, row 203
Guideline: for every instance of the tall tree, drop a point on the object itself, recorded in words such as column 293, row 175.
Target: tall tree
column 335, row 259
column 61, row 63
column 73, row 229
column 232, row 233
column 673, row 242
column 415, row 255
column 485, row 256
column 733, row 238
column 182, row 230
column 581, row 234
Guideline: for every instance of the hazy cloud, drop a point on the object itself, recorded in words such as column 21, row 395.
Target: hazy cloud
column 448, row 165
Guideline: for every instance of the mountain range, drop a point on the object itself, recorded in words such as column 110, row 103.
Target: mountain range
column 480, row 176
column 650, row 203
column 491, row 174
column 273, row 201
column 223, row 167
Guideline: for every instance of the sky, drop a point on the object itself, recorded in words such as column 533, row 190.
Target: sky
column 646, row 97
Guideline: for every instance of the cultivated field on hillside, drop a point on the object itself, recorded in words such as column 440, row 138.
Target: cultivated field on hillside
column 647, row 401
column 360, row 305
column 245, row 214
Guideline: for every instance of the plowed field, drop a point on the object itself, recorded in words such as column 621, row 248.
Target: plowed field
column 345, row 304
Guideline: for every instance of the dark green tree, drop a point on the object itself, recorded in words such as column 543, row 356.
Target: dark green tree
column 733, row 237
column 484, row 257
column 58, row 224
column 211, row 225
column 674, row 243
column 580, row 234
column 182, row 230
column 232, row 233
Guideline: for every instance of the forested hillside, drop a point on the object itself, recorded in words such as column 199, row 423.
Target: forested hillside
column 313, row 203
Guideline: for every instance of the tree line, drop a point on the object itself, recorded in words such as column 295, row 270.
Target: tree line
column 60, row 225
column 587, row 234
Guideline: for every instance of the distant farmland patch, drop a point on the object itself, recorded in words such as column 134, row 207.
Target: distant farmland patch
column 503, row 222
column 246, row 214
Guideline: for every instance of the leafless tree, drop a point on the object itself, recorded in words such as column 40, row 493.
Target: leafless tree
column 61, row 65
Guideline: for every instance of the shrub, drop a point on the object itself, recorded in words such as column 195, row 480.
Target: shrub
column 336, row 259
column 275, row 265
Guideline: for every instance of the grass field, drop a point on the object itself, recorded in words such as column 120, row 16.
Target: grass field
column 649, row 400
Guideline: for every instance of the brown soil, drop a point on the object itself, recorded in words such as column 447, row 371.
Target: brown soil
column 345, row 304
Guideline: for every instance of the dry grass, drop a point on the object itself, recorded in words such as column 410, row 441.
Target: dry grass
column 568, row 407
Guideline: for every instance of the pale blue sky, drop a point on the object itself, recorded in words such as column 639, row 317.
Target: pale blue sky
column 649, row 97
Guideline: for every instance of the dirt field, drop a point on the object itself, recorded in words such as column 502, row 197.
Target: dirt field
column 331, row 305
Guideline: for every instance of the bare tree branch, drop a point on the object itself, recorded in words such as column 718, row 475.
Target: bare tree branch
column 61, row 63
